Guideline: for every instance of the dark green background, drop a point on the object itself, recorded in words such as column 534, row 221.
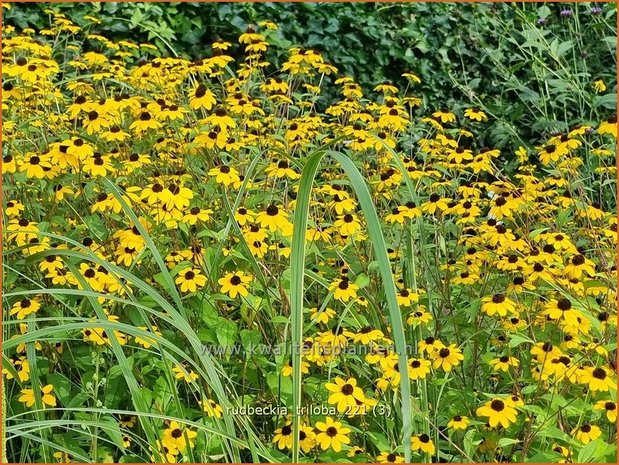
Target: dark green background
column 477, row 45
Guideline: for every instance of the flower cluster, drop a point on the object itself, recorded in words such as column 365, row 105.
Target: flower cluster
column 148, row 211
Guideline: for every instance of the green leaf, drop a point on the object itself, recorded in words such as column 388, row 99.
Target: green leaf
column 226, row 332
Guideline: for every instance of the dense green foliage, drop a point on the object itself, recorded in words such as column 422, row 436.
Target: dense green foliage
column 177, row 228
column 511, row 62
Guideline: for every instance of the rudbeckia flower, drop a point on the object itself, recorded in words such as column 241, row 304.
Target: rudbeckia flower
column 211, row 408
column 609, row 407
column 498, row 411
column 598, row 379
column 587, row 433
column 47, row 398
column 498, row 304
column 184, row 373
column 475, row 114
column 190, row 280
column 504, row 363
column 343, row 289
column 177, row 436
column 418, row 368
column 444, row 115
column 283, row 437
column 389, row 457
column 458, row 422
column 345, row 394
column 332, row 434
column 447, row 357
column 609, row 126
column 235, row 283
column 274, row 218
column 422, row 442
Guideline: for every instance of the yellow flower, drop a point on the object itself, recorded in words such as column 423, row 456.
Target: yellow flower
column 599, row 86
column 322, row 316
column 389, row 457
column 551, row 153
column 444, row 115
column 281, row 169
column 587, row 433
column 97, row 165
column 609, row 407
column 598, row 379
column 609, row 126
column 28, row 397
column 211, row 408
column 144, row 122
column 178, row 437
column 287, row 368
column 498, row 411
column 435, row 204
column 35, row 166
column 225, row 175
column 412, row 77
column 406, row 297
column 447, row 357
column 220, row 118
column 332, row 434
column 235, row 283
column 347, row 224
column 190, row 280
column 274, row 218
column 458, row 422
column 418, row 368
column 430, row 345
column 498, row 303
column 343, row 289
column 421, row 316
column 24, row 307
column 181, row 372
column 504, row 363
column 346, row 393
column 424, row 443
column 367, row 335
column 475, row 114
column 283, row 437
column 201, row 97
column 147, row 342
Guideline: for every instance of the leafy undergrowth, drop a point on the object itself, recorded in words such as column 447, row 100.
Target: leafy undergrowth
column 438, row 308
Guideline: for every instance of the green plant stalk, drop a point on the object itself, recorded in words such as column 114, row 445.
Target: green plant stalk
column 411, row 279
column 297, row 265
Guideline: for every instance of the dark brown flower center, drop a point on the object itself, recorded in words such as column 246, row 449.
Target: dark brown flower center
column 564, row 304
column 599, row 373
column 578, row 260
column 286, row 430
column 497, row 405
column 331, row 431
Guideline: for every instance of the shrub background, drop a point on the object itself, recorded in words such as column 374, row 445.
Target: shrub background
column 471, row 51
